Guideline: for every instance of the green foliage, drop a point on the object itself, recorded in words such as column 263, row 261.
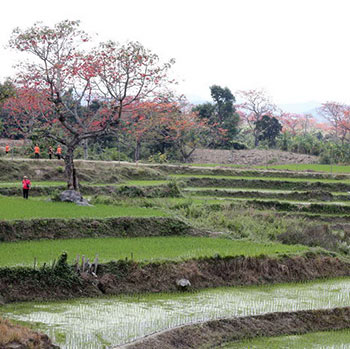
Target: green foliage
column 221, row 115
column 158, row 158
column 7, row 89
column 268, row 128
column 56, row 274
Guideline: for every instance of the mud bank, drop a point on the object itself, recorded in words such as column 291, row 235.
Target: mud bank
column 35, row 229
column 214, row 333
column 126, row 277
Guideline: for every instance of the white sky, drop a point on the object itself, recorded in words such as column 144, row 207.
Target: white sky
column 298, row 50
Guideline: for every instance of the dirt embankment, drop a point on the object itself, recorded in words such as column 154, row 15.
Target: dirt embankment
column 56, row 228
column 19, row 337
column 252, row 157
column 123, row 277
column 214, row 333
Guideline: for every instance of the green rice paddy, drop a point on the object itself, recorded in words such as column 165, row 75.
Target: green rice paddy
column 310, row 167
column 17, row 208
column 316, row 340
column 277, row 179
column 139, row 249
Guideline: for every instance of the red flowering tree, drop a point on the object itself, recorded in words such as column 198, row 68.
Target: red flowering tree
column 337, row 115
column 87, row 91
column 23, row 109
column 167, row 120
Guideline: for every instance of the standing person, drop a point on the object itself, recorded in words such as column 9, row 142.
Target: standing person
column 7, row 149
column 26, row 186
column 59, row 152
column 50, row 152
column 36, row 152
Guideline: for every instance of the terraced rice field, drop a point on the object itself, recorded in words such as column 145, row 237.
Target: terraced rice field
column 108, row 321
column 95, row 323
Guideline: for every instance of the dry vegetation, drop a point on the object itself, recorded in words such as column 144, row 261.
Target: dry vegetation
column 15, row 336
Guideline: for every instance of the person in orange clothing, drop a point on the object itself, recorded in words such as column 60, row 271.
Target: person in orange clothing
column 26, row 186
column 36, row 152
column 59, row 152
column 7, row 149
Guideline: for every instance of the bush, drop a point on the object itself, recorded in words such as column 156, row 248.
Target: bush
column 158, row 158
column 316, row 236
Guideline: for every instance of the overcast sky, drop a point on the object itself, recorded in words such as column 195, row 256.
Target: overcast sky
column 297, row 50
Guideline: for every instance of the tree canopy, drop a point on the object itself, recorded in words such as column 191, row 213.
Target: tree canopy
column 221, row 115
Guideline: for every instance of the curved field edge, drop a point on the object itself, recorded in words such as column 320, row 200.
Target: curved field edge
column 127, row 277
column 217, row 332
column 16, row 336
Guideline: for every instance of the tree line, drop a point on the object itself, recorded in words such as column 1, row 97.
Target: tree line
column 120, row 96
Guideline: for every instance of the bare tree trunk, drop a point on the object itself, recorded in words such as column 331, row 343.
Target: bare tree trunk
column 71, row 176
column 137, row 151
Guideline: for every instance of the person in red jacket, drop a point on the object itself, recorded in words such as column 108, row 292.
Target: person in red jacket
column 26, row 186
column 7, row 149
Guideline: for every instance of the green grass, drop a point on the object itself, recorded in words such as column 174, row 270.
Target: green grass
column 144, row 182
column 57, row 183
column 37, row 184
column 310, row 167
column 217, row 165
column 328, row 339
column 17, row 208
column 141, row 249
column 284, row 179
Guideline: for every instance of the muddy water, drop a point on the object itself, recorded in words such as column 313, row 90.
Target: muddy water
column 103, row 322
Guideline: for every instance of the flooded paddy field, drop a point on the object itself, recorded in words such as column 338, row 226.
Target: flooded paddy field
column 104, row 322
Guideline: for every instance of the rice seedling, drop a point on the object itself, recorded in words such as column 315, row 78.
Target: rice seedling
column 91, row 323
column 316, row 340
column 275, row 179
column 17, row 208
column 310, row 167
column 141, row 249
